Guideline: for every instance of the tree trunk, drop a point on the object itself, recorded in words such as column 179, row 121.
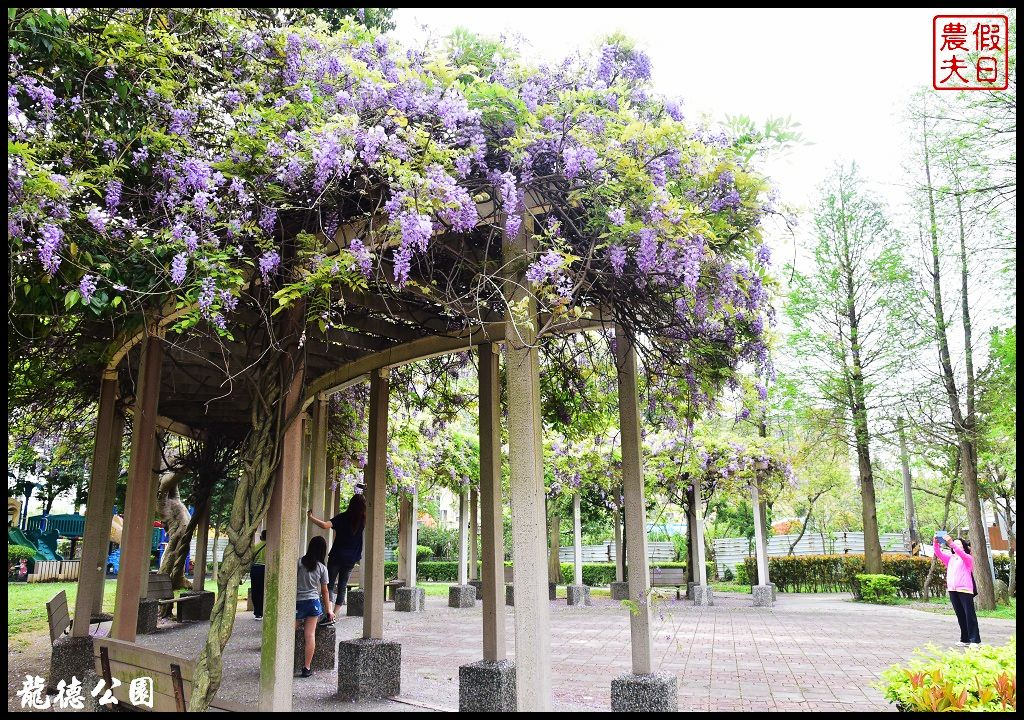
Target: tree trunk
column 857, row 400
column 260, row 457
column 216, row 538
column 180, row 527
column 908, row 490
column 963, row 427
column 554, row 566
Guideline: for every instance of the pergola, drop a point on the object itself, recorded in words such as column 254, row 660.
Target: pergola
column 174, row 391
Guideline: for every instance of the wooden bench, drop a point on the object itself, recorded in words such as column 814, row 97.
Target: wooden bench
column 171, row 674
column 59, row 619
column 669, row 577
column 355, row 579
column 160, row 589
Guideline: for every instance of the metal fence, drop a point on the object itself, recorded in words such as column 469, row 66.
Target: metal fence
column 656, row 551
column 730, row 552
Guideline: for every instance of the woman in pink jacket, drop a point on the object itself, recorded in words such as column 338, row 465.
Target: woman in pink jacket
column 960, row 586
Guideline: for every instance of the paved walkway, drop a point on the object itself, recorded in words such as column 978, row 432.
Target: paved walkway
column 811, row 652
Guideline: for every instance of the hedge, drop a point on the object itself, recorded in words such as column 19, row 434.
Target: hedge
column 879, row 589
column 836, row 573
column 594, row 574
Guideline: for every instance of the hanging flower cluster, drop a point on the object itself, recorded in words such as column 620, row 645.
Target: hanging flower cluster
column 189, row 171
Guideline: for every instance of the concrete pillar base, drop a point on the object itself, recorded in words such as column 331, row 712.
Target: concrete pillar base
column 196, row 611
column 509, row 595
column 478, row 584
column 248, row 601
column 578, row 595
column 354, row 603
column 689, row 590
column 369, row 669
column 645, row 693
column 410, row 599
column 148, row 612
column 70, row 657
column 487, row 686
column 703, row 596
column 461, row 596
column 325, row 652
column 620, row 590
column 763, row 596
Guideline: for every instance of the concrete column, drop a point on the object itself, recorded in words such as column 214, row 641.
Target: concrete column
column 146, row 559
column 493, row 538
column 577, row 541
column 759, row 537
column 329, row 490
column 307, row 495
column 620, row 571
column 409, row 550
column 404, row 511
column 375, row 478
column 108, row 503
column 284, row 520
column 318, row 470
column 698, row 533
column 474, row 535
column 136, row 532
column 106, row 457
column 202, row 538
column 463, row 535
column 532, row 615
column 636, row 520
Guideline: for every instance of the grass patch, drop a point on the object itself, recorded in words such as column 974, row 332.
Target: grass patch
column 941, row 606
column 26, row 604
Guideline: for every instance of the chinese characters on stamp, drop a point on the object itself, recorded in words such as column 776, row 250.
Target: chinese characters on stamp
column 970, row 52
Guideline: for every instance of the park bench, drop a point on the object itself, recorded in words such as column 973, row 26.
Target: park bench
column 59, row 619
column 171, row 675
column 355, row 579
column 669, row 577
column 160, row 589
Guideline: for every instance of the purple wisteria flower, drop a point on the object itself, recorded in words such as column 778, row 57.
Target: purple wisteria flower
column 362, row 257
column 96, row 219
column 269, row 262
column 49, row 247
column 549, row 264
column 113, row 198
column 87, row 286
column 179, row 266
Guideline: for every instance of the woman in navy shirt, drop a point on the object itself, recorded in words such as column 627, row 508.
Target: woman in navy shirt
column 347, row 549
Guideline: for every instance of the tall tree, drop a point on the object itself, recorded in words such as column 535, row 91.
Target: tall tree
column 849, row 324
column 960, row 387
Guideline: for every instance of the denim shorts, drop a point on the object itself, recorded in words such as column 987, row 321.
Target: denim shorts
column 308, row 608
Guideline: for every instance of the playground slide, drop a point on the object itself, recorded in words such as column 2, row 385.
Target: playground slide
column 116, row 523
column 17, row 537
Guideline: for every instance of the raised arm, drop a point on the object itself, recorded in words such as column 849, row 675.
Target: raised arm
column 316, row 521
column 938, row 552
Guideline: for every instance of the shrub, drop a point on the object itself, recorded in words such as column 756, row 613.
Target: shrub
column 881, row 589
column 835, row 573
column 15, row 554
column 742, row 574
column 982, row 678
column 423, row 552
column 728, row 575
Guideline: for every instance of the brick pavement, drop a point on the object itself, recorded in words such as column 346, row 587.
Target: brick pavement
column 811, row 652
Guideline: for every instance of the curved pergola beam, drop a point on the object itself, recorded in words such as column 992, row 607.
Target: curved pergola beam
column 421, row 349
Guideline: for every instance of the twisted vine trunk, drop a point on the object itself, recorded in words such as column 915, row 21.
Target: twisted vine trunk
column 180, row 528
column 260, row 457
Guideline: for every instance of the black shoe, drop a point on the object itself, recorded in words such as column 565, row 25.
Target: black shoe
column 306, row 672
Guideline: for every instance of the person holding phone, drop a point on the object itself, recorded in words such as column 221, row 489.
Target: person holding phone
column 959, row 584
